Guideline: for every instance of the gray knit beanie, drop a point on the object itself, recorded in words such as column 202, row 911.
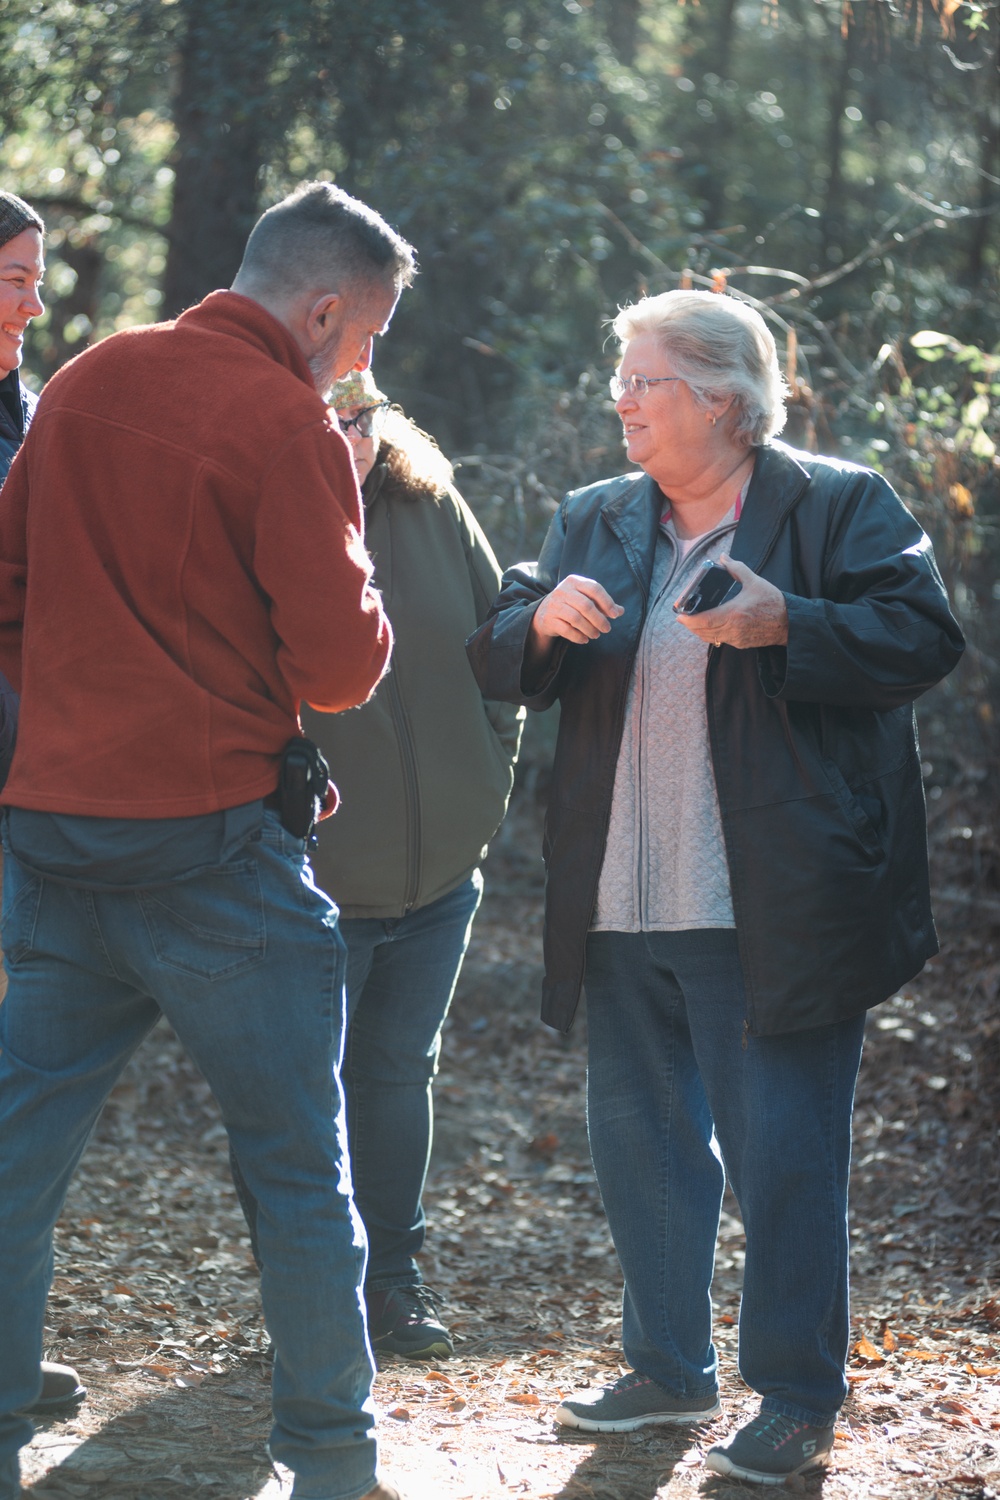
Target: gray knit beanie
column 16, row 216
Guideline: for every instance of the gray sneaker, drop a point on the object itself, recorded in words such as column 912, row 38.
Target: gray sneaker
column 634, row 1401
column 770, row 1449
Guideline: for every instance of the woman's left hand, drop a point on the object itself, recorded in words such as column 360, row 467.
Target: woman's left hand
column 756, row 617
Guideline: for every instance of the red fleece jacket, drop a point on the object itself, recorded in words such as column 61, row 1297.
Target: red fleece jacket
column 181, row 563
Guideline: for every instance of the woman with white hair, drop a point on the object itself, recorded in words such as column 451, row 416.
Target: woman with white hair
column 736, row 853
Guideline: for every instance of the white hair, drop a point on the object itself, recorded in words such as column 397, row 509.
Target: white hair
column 721, row 347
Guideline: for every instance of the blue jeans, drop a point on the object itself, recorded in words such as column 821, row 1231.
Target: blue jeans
column 674, row 1090
column 401, row 975
column 245, row 961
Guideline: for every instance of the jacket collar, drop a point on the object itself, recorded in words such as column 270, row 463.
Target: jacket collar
column 374, row 483
column 777, row 485
column 633, row 513
column 11, row 386
column 241, row 318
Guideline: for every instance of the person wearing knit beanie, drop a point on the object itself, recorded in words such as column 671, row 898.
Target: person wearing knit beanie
column 16, row 216
column 21, row 268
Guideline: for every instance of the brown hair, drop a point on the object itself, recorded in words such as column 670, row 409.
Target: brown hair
column 414, row 463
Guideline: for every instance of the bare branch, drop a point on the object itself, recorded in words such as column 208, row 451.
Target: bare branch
column 950, row 213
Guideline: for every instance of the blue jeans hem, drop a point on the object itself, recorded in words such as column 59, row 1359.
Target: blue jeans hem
column 710, row 1393
column 353, row 1494
column 796, row 1413
column 391, row 1283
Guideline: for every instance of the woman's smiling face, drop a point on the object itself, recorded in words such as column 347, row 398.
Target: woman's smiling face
column 22, row 266
column 667, row 432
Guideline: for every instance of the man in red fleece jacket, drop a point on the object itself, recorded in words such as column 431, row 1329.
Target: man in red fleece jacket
column 181, row 564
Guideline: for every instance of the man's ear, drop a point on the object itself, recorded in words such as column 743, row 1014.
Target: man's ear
column 320, row 316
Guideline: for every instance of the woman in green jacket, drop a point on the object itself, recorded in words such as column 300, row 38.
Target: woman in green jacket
column 424, row 770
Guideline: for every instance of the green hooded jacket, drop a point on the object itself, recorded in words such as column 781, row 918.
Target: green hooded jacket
column 425, row 767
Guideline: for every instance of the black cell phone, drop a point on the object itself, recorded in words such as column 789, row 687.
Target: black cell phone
column 710, row 587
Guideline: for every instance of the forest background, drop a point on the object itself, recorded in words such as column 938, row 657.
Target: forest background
column 838, row 164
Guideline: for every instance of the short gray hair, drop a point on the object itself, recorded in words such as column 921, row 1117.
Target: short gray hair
column 320, row 236
column 720, row 347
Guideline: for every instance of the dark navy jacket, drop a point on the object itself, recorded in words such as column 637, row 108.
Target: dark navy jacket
column 813, row 744
column 11, row 438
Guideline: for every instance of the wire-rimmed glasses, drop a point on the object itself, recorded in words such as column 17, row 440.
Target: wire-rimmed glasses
column 637, row 385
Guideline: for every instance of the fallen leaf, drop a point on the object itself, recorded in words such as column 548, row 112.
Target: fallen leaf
column 399, row 1413
column 865, row 1349
column 525, row 1398
column 544, row 1145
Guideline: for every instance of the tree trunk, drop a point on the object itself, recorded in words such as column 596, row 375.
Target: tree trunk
column 833, row 228
column 709, row 40
column 623, row 29
column 224, row 118
column 982, row 228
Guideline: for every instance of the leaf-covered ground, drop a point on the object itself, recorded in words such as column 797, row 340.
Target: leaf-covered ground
column 155, row 1298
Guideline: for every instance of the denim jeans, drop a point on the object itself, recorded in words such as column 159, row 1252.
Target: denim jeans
column 674, row 1090
column 401, row 975
column 246, row 962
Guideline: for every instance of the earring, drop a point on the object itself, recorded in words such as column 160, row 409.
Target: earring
column 713, row 419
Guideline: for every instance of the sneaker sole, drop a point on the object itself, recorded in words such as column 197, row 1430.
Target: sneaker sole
column 426, row 1351
column 567, row 1418
column 53, row 1405
column 719, row 1463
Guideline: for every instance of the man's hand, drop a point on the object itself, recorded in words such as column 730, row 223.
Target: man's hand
column 756, row 617
column 578, row 610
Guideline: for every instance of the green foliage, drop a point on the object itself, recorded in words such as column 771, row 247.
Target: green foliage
column 935, row 430
column 548, row 159
column 551, row 159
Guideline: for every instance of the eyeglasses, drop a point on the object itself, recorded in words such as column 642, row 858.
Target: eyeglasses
column 365, row 421
column 636, row 385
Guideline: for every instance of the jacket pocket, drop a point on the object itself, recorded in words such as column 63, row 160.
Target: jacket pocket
column 852, row 809
column 211, row 926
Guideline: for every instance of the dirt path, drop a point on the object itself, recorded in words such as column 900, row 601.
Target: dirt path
column 155, row 1299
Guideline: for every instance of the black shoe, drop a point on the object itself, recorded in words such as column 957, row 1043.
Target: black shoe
column 405, row 1320
column 61, row 1391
